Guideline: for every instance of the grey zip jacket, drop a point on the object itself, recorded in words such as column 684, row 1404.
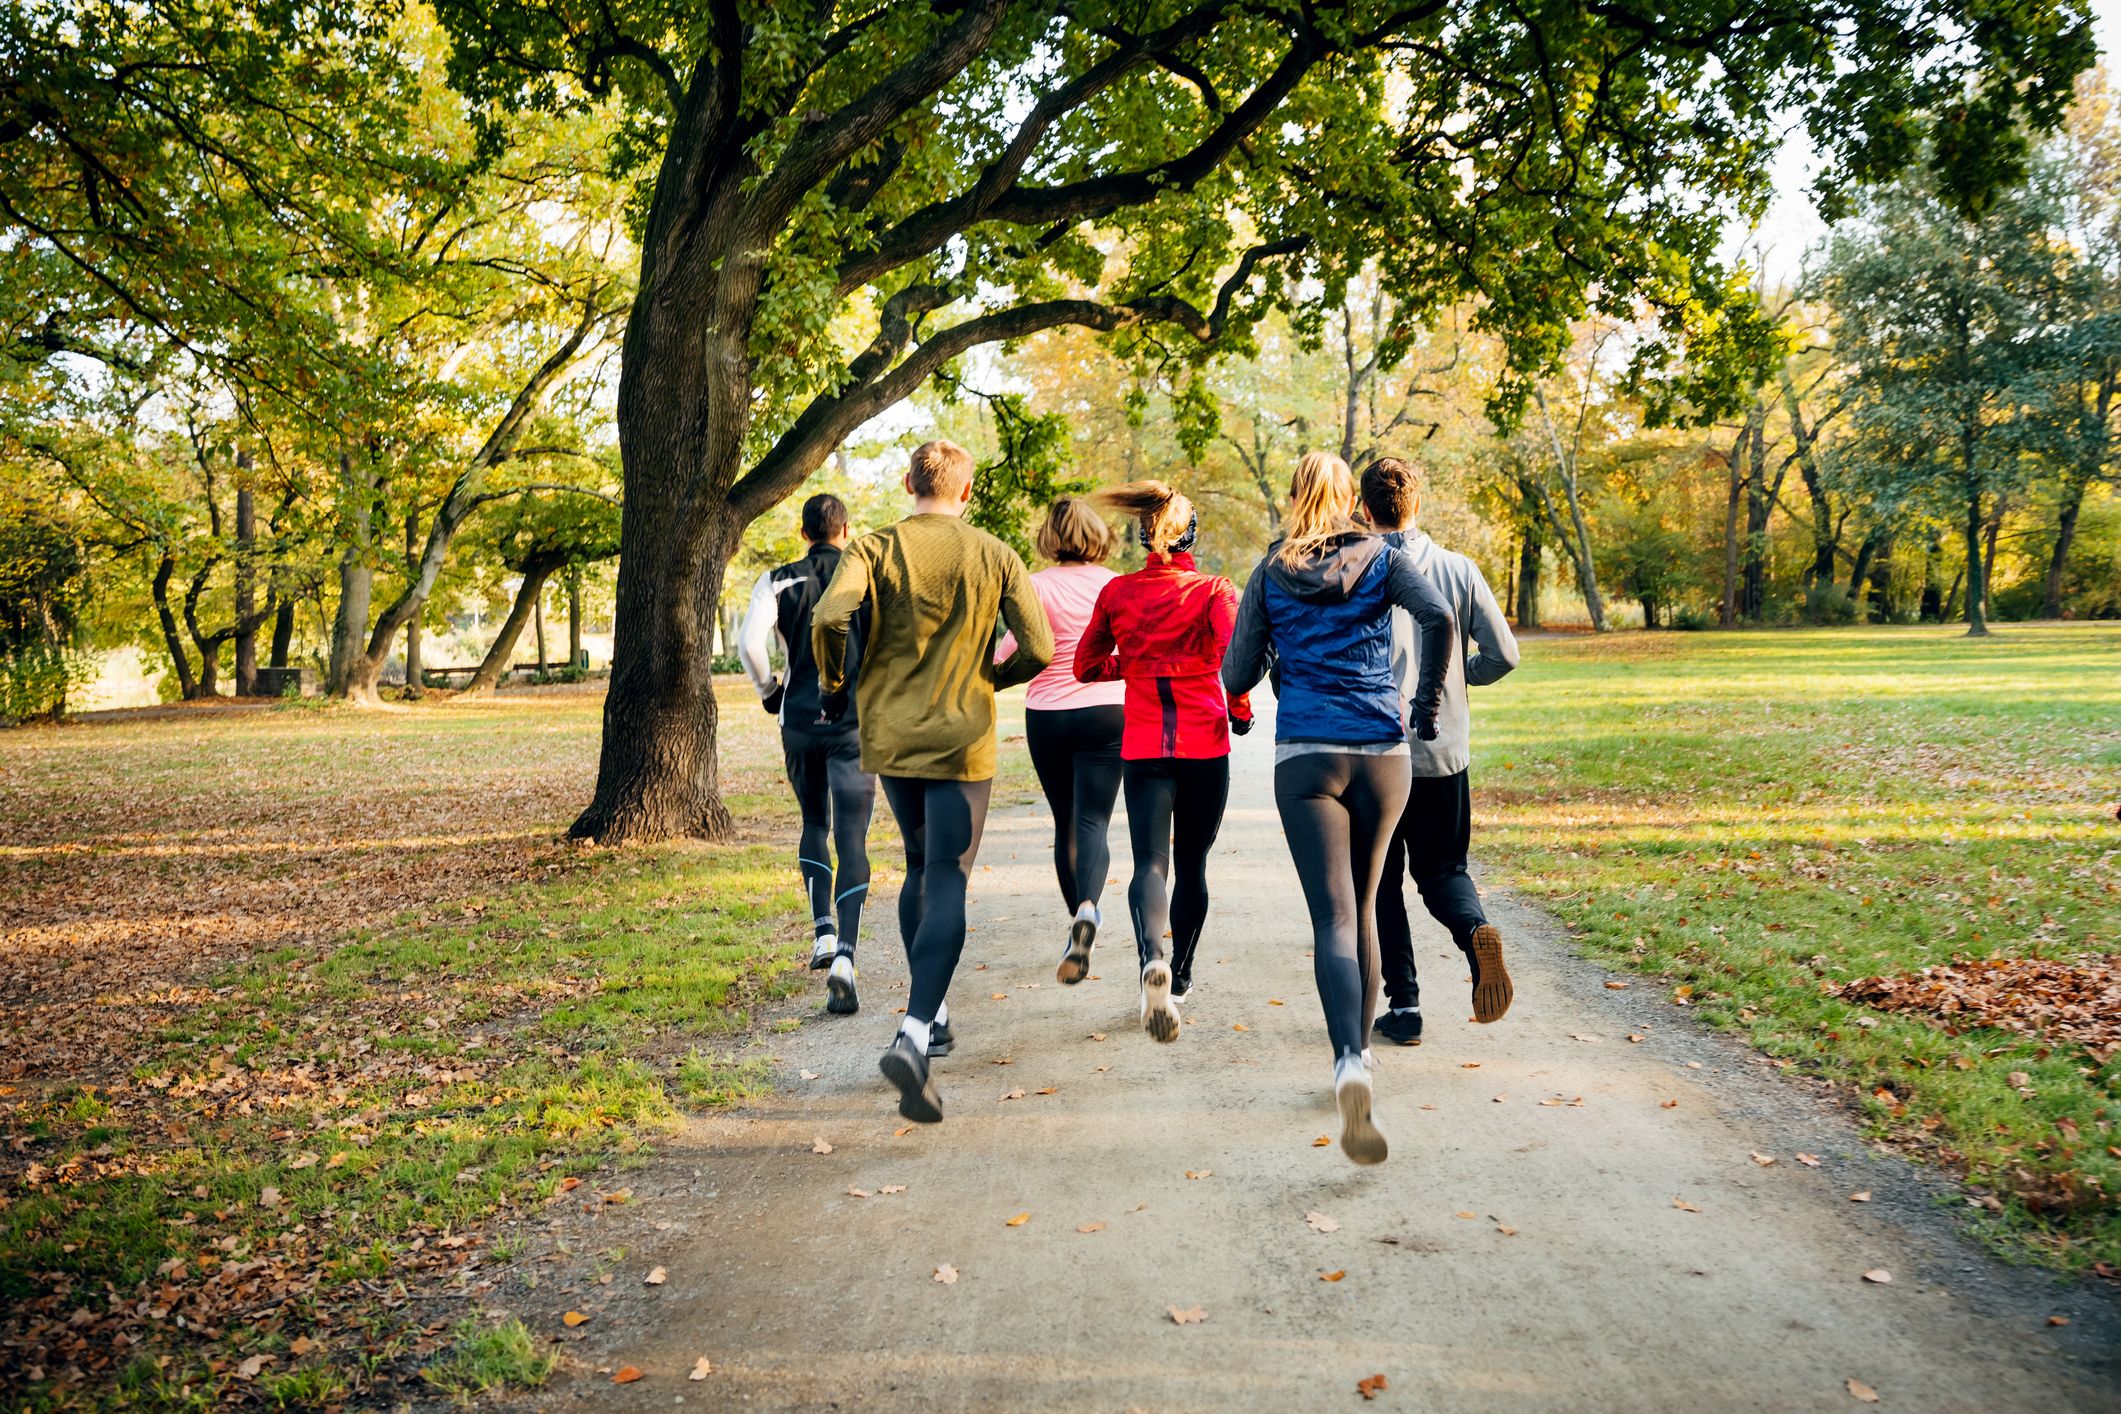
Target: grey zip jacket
column 1481, row 626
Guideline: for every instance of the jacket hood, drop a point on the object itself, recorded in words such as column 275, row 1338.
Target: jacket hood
column 1328, row 573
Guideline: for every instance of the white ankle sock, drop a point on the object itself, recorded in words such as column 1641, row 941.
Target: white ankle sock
column 916, row 1032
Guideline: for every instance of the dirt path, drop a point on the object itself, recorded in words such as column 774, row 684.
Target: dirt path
column 1513, row 1254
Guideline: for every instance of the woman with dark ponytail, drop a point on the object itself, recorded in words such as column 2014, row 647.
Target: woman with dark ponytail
column 1162, row 631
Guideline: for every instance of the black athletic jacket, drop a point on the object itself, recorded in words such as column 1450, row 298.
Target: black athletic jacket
column 781, row 603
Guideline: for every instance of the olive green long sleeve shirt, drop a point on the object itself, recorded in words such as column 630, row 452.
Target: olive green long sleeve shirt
column 925, row 697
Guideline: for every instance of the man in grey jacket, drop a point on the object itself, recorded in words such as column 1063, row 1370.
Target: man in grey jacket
column 1437, row 827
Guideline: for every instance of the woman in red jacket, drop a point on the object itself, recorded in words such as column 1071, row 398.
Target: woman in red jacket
column 1162, row 630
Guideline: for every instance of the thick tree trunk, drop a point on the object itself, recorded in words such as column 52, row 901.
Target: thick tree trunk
column 187, row 685
column 1879, row 609
column 283, row 629
column 537, row 617
column 1988, row 557
column 574, row 616
column 1727, row 611
column 413, row 685
column 1529, row 550
column 2058, row 560
column 1976, row 572
column 246, row 580
column 351, row 674
column 495, row 663
column 1759, row 505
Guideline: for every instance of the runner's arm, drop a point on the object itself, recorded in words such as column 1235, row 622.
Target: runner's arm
column 1245, row 659
column 1096, row 652
column 1410, row 589
column 829, row 618
column 1025, row 619
column 754, row 640
column 1222, row 622
column 1490, row 632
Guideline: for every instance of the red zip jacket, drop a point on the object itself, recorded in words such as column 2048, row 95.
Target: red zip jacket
column 1163, row 630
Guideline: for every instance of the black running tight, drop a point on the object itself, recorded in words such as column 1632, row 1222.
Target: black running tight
column 940, row 822
column 1339, row 810
column 1174, row 808
column 1075, row 751
column 837, row 798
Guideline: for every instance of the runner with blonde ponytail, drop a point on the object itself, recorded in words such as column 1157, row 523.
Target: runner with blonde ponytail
column 1319, row 608
column 1162, row 630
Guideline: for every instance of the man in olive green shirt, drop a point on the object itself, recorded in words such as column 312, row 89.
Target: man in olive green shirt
column 936, row 588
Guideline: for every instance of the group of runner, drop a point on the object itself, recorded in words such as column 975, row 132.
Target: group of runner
column 1137, row 682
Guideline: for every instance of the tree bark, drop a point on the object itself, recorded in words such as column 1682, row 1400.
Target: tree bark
column 1759, row 506
column 1860, row 567
column 208, row 644
column 495, row 663
column 1988, row 558
column 2058, row 559
column 1727, row 611
column 246, row 580
column 574, row 616
column 1811, row 467
column 537, row 618
column 413, row 685
column 1529, row 551
column 283, row 627
column 1976, row 572
column 187, row 685
column 350, row 674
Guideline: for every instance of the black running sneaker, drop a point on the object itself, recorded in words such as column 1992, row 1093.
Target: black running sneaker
column 1491, row 980
column 907, row 1069
column 1075, row 963
column 940, row 1040
column 1401, row 1026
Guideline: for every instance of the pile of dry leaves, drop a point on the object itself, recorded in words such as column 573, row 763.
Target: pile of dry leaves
column 2065, row 1003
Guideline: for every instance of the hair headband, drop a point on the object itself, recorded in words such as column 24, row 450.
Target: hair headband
column 1180, row 546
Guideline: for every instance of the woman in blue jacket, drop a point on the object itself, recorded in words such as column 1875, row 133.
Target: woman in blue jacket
column 1318, row 609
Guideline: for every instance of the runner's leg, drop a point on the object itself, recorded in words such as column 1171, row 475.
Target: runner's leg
column 954, row 814
column 1308, row 793
column 908, row 800
column 1395, row 933
column 1204, row 790
column 853, row 803
column 1097, row 776
column 1051, row 744
column 806, row 755
column 1152, row 796
column 1376, row 797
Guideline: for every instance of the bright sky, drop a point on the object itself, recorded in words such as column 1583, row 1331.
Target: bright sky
column 1792, row 225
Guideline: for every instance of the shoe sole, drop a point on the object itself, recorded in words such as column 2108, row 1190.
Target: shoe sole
column 1359, row 1136
column 1491, row 980
column 820, row 961
column 840, row 996
column 1159, row 1017
column 1076, row 965
column 917, row 1101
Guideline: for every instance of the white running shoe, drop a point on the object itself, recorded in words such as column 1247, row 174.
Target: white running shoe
column 1359, row 1137
column 840, row 998
column 823, row 951
column 1159, row 1017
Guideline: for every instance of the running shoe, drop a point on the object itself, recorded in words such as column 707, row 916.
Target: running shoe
column 907, row 1069
column 940, row 1040
column 840, row 998
column 1159, row 1017
column 1075, row 963
column 1359, row 1138
column 823, row 951
column 1401, row 1026
column 1491, row 980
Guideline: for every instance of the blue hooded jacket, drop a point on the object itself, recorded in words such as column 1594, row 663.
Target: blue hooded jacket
column 1324, row 627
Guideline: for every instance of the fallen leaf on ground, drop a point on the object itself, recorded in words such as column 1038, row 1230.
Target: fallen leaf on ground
column 892, row 1188
column 1370, row 1388
column 1014, row 1095
column 302, row 1161
column 1469, row 1065
column 1239, row 1026
column 1506, row 1230
column 1764, row 1160
column 1667, row 1104
column 946, row 1274
column 1090, row 1227
column 1320, row 1142
column 1878, row 1276
column 1275, row 1001
column 807, row 1074
column 1863, row 1392
column 626, row 1375
column 251, row 1368
column 1810, row 1161
column 701, row 1369
column 1191, row 1316
column 1465, row 1213
column 268, row 1197
column 1018, row 1221
column 1049, row 1090
column 657, row 1276
column 1616, row 986
column 1502, row 1097
column 1003, row 1060
column 2058, row 1320
column 817, row 1146
column 1333, row 1276
column 1578, row 1036
column 573, row 1318
column 998, row 996
column 626, row 1194
column 1097, row 1035
column 902, row 1131
column 1861, row 1196
column 853, row 1192
column 1141, row 1207
column 1684, row 1206
column 567, row 1185
column 1321, row 1223
column 1199, row 1173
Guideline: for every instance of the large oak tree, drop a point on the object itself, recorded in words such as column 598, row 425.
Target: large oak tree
column 838, row 201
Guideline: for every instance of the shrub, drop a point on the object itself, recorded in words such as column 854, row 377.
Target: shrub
column 35, row 678
column 1828, row 604
column 727, row 663
column 1692, row 620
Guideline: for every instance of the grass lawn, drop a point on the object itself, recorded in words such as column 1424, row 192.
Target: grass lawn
column 1759, row 819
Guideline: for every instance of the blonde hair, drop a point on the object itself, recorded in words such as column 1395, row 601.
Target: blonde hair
column 1074, row 533
column 1321, row 495
column 1163, row 513
column 939, row 468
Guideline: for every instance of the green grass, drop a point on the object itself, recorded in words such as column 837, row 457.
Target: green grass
column 1754, row 817
column 489, row 1358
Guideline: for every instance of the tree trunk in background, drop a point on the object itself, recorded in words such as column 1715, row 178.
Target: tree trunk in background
column 1880, row 608
column 1976, row 576
column 1825, row 534
column 1727, row 611
column 283, row 629
column 1988, row 559
column 413, row 685
column 1529, row 549
column 491, row 668
column 574, row 616
column 349, row 675
column 537, row 617
column 1860, row 567
column 246, row 580
column 1759, row 504
column 187, row 685
column 2065, row 531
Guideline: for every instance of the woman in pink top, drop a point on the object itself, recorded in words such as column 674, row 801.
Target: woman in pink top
column 1071, row 727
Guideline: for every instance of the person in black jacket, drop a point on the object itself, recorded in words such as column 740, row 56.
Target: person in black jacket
column 824, row 758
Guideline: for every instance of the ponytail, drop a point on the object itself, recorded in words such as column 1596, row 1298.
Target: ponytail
column 1321, row 496
column 1164, row 517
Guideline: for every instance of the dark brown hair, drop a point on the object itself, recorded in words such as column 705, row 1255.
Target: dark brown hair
column 824, row 517
column 1390, row 487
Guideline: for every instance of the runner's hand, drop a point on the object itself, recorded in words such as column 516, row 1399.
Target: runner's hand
column 772, row 700
column 1239, row 726
column 1425, row 730
column 831, row 706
